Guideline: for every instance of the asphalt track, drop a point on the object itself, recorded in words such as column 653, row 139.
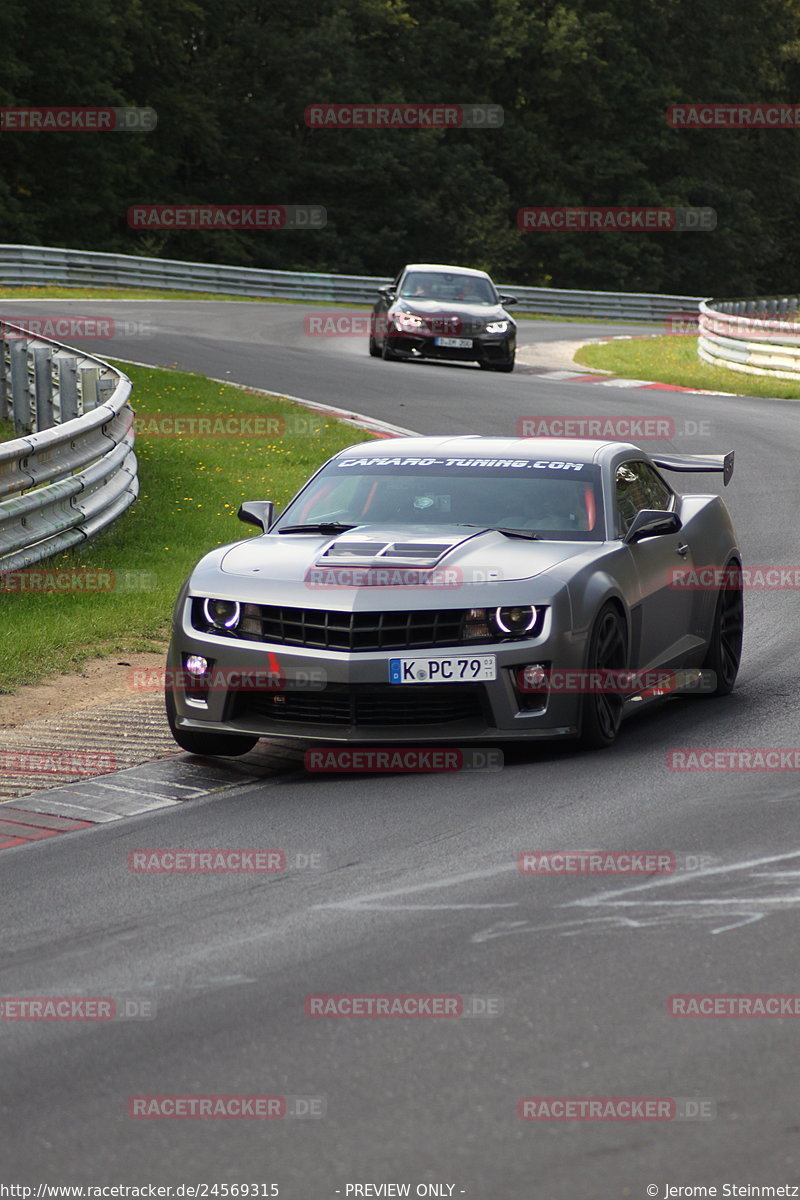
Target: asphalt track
column 417, row 891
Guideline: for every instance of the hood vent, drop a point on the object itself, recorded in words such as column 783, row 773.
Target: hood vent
column 414, row 554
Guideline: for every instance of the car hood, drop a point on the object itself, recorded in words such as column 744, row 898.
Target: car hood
column 458, row 308
column 383, row 565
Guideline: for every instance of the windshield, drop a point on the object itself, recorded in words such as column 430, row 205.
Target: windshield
column 559, row 500
column 448, row 287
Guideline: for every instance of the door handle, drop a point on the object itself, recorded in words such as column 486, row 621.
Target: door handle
column 682, row 549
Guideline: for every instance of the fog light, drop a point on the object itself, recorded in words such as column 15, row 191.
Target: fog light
column 196, row 664
column 533, row 678
column 516, row 620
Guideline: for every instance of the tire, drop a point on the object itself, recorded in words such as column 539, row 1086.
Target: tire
column 601, row 712
column 374, row 348
column 223, row 744
column 725, row 648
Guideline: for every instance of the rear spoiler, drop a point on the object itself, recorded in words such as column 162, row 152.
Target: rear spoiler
column 697, row 462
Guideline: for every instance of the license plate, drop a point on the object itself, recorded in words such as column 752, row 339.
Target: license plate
column 457, row 343
column 443, row 670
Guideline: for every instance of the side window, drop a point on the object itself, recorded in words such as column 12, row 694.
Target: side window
column 637, row 486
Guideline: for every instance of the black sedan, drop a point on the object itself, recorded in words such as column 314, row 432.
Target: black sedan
column 455, row 313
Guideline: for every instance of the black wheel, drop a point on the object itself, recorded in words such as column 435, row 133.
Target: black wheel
column 225, row 744
column 374, row 348
column 601, row 712
column 725, row 648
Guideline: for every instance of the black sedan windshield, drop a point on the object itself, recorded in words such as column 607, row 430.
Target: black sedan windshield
column 447, row 287
column 557, row 499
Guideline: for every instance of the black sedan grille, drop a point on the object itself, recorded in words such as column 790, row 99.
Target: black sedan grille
column 366, row 704
column 323, row 629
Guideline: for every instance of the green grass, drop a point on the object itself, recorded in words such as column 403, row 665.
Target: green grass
column 190, row 489
column 675, row 360
column 54, row 292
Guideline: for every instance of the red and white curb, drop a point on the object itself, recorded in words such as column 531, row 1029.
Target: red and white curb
column 616, row 381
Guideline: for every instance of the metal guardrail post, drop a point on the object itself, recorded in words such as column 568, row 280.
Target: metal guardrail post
column 20, row 387
column 68, row 386
column 43, row 387
column 88, row 384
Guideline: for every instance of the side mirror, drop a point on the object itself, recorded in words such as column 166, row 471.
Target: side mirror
column 257, row 512
column 386, row 292
column 509, row 300
column 652, row 522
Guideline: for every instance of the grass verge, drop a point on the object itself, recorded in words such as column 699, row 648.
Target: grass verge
column 54, row 292
column 190, row 489
column 675, row 360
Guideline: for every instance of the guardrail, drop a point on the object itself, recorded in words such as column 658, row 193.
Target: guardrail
column 73, row 469
column 39, row 265
column 757, row 337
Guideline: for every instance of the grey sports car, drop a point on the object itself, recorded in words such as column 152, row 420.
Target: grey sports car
column 460, row 588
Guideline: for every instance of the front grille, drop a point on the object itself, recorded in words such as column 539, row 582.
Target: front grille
column 322, row 629
column 366, row 704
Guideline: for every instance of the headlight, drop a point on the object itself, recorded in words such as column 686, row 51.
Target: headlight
column 409, row 322
column 519, row 619
column 222, row 614
column 497, row 326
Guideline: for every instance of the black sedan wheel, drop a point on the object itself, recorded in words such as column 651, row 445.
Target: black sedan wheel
column 602, row 710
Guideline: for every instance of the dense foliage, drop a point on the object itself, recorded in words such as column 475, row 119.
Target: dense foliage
column 584, row 85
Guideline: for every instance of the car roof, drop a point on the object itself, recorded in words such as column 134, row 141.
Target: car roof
column 584, row 450
column 444, row 267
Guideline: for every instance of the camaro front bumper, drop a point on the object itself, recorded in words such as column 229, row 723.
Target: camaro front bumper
column 275, row 690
